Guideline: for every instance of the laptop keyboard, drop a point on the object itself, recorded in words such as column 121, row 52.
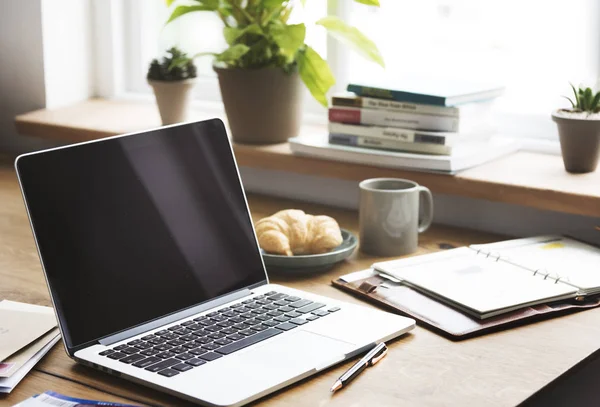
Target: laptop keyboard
column 197, row 341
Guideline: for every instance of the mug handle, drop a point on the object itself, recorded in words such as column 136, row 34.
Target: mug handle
column 427, row 199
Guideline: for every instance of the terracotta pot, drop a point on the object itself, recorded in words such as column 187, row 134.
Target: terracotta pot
column 579, row 143
column 263, row 106
column 173, row 99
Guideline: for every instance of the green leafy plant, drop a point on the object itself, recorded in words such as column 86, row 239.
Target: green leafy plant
column 175, row 66
column 585, row 100
column 258, row 35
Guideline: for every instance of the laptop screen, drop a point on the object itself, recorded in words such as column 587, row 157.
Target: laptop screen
column 133, row 228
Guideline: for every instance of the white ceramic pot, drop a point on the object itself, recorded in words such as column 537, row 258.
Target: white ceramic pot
column 173, row 99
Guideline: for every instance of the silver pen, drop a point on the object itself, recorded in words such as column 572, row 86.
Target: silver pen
column 372, row 357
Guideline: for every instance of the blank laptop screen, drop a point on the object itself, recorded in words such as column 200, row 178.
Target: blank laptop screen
column 133, row 228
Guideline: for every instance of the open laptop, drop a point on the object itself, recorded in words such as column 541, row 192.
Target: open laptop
column 156, row 276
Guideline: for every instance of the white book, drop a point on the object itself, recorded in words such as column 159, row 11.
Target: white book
column 492, row 279
column 388, row 144
column 398, row 134
column 462, row 157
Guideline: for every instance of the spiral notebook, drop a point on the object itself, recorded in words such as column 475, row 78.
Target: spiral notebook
column 489, row 280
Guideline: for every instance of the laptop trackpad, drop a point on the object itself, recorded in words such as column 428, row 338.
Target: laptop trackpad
column 266, row 365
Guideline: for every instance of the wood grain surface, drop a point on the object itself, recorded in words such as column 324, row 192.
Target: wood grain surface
column 422, row 368
column 524, row 178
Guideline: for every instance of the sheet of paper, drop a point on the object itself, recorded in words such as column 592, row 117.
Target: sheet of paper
column 9, row 383
column 14, row 362
column 480, row 283
column 51, row 398
column 19, row 328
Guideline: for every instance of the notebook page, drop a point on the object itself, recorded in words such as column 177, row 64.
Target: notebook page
column 481, row 284
column 574, row 262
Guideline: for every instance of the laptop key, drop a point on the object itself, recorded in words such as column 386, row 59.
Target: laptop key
column 182, row 367
column 210, row 356
column 310, row 307
column 312, row 317
column 187, row 323
column 121, row 347
column 270, row 293
column 188, row 338
column 285, row 308
column 195, row 362
column 217, row 335
column 201, row 333
column 271, row 323
column 270, row 307
column 281, row 303
column 281, row 319
column 143, row 345
column 163, row 365
column 292, row 299
column 298, row 321
column 300, row 304
column 259, row 328
column 333, row 309
column 286, row 326
column 229, row 314
column 236, row 337
column 134, row 342
column 162, row 348
column 190, row 345
column 251, row 340
column 219, row 318
column 293, row 314
column 178, row 350
column 183, row 332
column 203, row 341
column 176, row 342
column 198, row 351
column 117, row 355
column 147, row 362
column 202, row 318
column 259, row 311
column 263, row 317
column 132, row 358
column 185, row 356
column 223, row 341
column 195, row 327
column 159, row 333
column 168, row 372
column 207, row 322
column 226, row 324
column 130, row 351
column 276, row 297
column 149, row 352
column 240, row 326
column 170, row 336
column 239, row 304
column 248, row 301
column 320, row 313
column 228, row 331
column 175, row 328
column 157, row 340
column 247, row 332
column 148, row 337
column 107, row 352
column 166, row 355
column 275, row 313
column 210, row 346
column 213, row 314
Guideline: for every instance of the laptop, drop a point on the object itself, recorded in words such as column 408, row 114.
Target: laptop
column 156, row 276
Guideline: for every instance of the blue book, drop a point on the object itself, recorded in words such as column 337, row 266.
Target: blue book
column 437, row 92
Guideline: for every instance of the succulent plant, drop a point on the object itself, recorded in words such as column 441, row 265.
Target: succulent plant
column 175, row 66
column 585, row 100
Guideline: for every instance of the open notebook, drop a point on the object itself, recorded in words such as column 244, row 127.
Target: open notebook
column 489, row 280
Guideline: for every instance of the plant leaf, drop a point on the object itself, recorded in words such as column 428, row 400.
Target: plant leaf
column 569, row 99
column 231, row 34
column 232, row 54
column 576, row 95
column 595, row 102
column 182, row 10
column 289, row 38
column 369, row 2
column 588, row 96
column 353, row 37
column 271, row 4
column 315, row 73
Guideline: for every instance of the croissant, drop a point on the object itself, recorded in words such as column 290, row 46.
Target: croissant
column 292, row 231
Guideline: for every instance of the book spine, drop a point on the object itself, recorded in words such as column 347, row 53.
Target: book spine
column 383, row 144
column 393, row 133
column 392, row 105
column 387, row 118
column 397, row 95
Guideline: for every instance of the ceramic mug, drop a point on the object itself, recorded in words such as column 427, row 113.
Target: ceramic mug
column 389, row 216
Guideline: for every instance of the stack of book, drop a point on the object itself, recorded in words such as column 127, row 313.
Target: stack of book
column 422, row 124
column 27, row 333
column 408, row 119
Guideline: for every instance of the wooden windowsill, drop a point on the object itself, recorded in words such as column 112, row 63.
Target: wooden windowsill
column 524, row 178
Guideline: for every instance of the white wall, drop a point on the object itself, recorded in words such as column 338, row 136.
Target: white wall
column 21, row 70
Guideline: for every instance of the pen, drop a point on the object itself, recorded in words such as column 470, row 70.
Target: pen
column 372, row 357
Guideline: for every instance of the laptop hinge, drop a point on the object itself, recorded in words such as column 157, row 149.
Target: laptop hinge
column 109, row 340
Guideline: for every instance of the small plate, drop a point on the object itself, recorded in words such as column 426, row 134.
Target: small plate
column 311, row 263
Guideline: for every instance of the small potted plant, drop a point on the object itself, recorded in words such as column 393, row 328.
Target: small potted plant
column 579, row 131
column 260, row 72
column 173, row 79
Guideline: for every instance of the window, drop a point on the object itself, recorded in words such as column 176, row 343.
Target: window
column 533, row 47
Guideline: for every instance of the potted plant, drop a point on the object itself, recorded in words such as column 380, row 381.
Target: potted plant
column 260, row 72
column 579, row 131
column 173, row 79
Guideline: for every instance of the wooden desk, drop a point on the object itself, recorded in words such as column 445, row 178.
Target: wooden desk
column 421, row 369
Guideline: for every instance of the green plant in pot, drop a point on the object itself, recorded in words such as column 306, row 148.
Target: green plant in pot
column 579, row 131
column 262, row 70
column 172, row 80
